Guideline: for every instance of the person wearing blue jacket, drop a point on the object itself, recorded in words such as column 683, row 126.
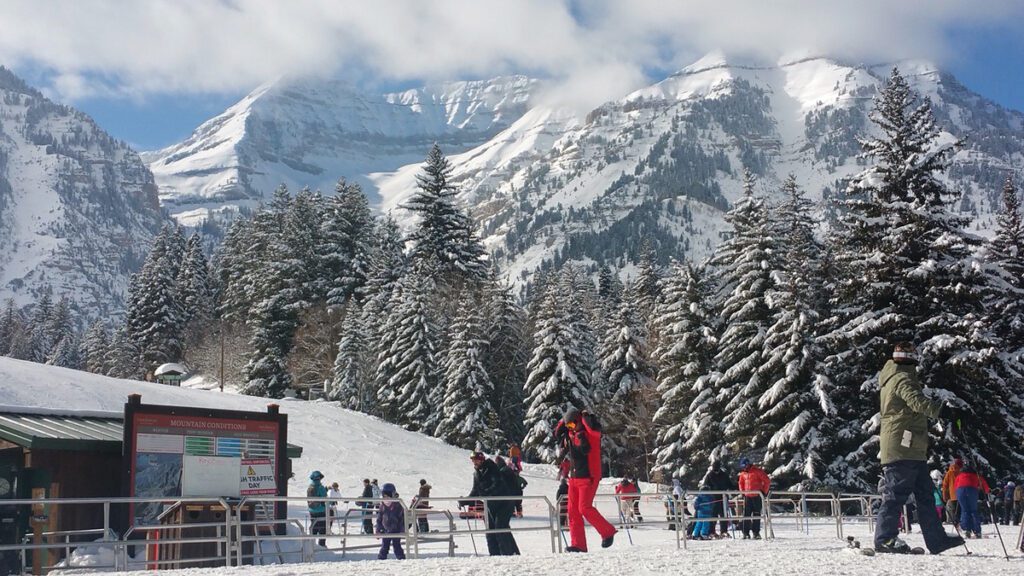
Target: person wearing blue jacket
column 703, row 506
column 317, row 508
column 390, row 520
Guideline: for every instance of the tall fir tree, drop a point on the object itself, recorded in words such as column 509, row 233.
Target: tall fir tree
column 95, row 348
column 346, row 243
column 909, row 273
column 407, row 363
column 796, row 410
column 629, row 376
column 352, row 377
column 467, row 413
column 444, row 240
column 506, row 354
column 124, row 359
column 687, row 422
column 744, row 264
column 558, row 374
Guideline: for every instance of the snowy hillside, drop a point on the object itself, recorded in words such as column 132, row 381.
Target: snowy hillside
column 77, row 208
column 309, row 133
column 346, row 446
column 662, row 162
column 554, row 184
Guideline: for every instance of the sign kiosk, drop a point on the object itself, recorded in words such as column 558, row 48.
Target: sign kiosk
column 178, row 451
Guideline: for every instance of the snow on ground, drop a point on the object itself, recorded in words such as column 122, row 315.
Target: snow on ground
column 653, row 552
column 346, row 446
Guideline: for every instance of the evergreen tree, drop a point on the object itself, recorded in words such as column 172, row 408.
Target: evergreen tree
column 444, row 240
column 687, row 422
column 506, row 355
column 194, row 293
column 124, row 359
column 629, row 376
column 407, row 372
column 744, row 265
column 1005, row 302
column 40, row 344
column 10, row 326
column 352, row 378
column 909, row 274
column 468, row 415
column 796, row 409
column 558, row 374
column 346, row 243
column 65, row 353
column 154, row 318
column 95, row 349
column 647, row 286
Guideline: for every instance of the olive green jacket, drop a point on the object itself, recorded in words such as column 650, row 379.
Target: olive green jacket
column 905, row 412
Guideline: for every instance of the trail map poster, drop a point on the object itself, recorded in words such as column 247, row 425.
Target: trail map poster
column 180, row 451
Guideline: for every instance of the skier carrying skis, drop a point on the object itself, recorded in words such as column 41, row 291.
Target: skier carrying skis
column 755, row 485
column 904, row 451
column 579, row 435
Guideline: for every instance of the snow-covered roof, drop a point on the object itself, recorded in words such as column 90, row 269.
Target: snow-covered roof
column 170, row 368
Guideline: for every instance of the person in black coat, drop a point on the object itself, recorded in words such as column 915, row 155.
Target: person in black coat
column 489, row 481
column 718, row 479
column 367, row 507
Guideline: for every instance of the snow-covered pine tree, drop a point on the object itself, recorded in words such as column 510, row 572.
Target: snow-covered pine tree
column 352, row 373
column 647, row 286
column 909, row 274
column 65, row 353
column 194, row 292
column 444, row 239
column 40, row 344
column 407, row 371
column 1005, row 302
column 233, row 271
column 688, row 421
column 506, row 354
column 467, row 413
column 124, row 359
column 277, row 289
column 796, row 410
column 346, row 242
column 60, row 325
column 10, row 326
column 154, row 318
column 744, row 264
column 558, row 374
column 629, row 377
column 95, row 348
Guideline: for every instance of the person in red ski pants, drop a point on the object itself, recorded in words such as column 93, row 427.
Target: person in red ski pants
column 579, row 435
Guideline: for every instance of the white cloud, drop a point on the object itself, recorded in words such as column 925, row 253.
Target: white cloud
column 600, row 48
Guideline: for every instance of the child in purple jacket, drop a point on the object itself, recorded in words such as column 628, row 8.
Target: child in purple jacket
column 390, row 520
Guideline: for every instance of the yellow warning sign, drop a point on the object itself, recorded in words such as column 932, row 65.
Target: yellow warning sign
column 251, row 472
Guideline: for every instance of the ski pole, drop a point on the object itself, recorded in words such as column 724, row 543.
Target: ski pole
column 998, row 533
column 471, row 537
column 622, row 517
column 957, row 528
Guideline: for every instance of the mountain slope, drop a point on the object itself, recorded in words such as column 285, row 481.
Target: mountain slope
column 77, row 208
column 660, row 164
column 309, row 133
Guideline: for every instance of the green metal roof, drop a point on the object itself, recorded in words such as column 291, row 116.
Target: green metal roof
column 58, row 432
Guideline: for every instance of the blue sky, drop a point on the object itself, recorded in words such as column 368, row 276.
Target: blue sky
column 149, row 72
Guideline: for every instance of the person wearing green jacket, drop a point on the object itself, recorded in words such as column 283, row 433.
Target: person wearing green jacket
column 904, row 452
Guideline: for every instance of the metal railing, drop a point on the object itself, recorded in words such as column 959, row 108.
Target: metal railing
column 239, row 538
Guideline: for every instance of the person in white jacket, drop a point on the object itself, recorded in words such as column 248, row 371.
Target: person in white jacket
column 334, row 496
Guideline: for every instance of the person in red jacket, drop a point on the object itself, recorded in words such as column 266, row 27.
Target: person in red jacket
column 970, row 488
column 579, row 436
column 754, row 484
